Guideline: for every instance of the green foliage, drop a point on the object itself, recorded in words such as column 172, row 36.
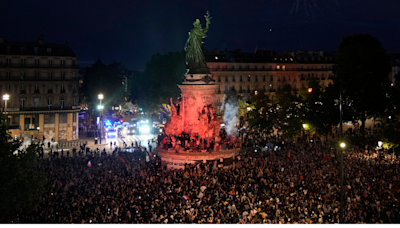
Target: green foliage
column 320, row 112
column 103, row 79
column 158, row 82
column 288, row 108
column 361, row 68
column 22, row 184
column 262, row 114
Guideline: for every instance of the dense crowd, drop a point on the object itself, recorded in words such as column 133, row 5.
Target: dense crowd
column 194, row 143
column 296, row 182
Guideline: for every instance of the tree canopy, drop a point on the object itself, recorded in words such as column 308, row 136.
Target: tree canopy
column 158, row 82
column 104, row 79
column 361, row 69
column 22, row 184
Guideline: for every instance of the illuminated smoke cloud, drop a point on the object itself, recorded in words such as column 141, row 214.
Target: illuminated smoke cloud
column 231, row 111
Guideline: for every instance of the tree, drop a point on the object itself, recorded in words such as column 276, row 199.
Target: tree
column 262, row 113
column 22, row 184
column 288, row 109
column 104, row 79
column 361, row 70
column 319, row 107
column 391, row 117
column 158, row 82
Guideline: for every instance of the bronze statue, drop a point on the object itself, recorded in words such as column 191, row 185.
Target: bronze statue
column 195, row 60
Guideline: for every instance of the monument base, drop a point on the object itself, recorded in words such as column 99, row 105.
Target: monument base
column 176, row 160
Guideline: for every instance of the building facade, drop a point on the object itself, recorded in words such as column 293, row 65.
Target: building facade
column 41, row 81
column 249, row 72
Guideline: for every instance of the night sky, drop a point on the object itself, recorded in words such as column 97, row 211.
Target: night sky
column 130, row 31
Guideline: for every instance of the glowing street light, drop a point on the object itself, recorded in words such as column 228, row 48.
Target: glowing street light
column 100, row 96
column 309, row 90
column 304, row 126
column 6, row 97
column 342, row 145
column 100, row 107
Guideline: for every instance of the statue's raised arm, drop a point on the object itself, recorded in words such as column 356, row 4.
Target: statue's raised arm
column 195, row 60
column 208, row 21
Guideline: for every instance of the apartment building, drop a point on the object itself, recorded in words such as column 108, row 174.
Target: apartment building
column 39, row 85
column 267, row 70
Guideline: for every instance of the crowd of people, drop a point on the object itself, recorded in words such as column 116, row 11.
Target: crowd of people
column 295, row 182
column 194, row 143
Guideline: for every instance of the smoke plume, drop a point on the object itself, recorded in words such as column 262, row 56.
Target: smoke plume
column 231, row 110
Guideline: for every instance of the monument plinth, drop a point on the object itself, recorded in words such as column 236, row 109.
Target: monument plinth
column 196, row 114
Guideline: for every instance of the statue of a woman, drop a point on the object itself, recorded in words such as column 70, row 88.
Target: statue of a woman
column 195, row 60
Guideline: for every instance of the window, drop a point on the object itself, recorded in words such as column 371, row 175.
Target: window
column 36, row 87
column 248, row 88
column 36, row 102
column 37, row 62
column 49, row 118
column 50, row 88
column 22, row 103
column 50, row 63
column 36, row 75
column 241, row 79
column 264, row 78
column 48, row 50
column 248, row 78
column 63, row 76
column 226, row 78
column 74, row 117
column 36, row 50
column 49, row 101
column 62, row 102
column 240, row 88
column 51, row 75
column 233, row 78
column 62, row 89
column 23, row 62
column 22, row 88
column 22, row 74
column 8, row 62
column 272, row 78
column 219, row 78
column 256, row 78
column 8, row 75
column 62, row 63
column 74, row 101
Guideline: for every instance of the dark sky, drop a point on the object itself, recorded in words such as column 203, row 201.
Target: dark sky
column 130, row 31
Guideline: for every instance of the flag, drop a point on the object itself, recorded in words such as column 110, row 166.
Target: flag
column 89, row 164
column 185, row 198
column 123, row 161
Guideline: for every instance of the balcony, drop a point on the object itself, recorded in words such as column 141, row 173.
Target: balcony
column 18, row 65
column 41, row 108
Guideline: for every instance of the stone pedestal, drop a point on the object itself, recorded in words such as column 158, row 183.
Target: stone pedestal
column 194, row 98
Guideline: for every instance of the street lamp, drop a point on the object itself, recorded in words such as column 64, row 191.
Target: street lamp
column 304, row 126
column 309, row 90
column 100, row 107
column 6, row 97
column 100, row 96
